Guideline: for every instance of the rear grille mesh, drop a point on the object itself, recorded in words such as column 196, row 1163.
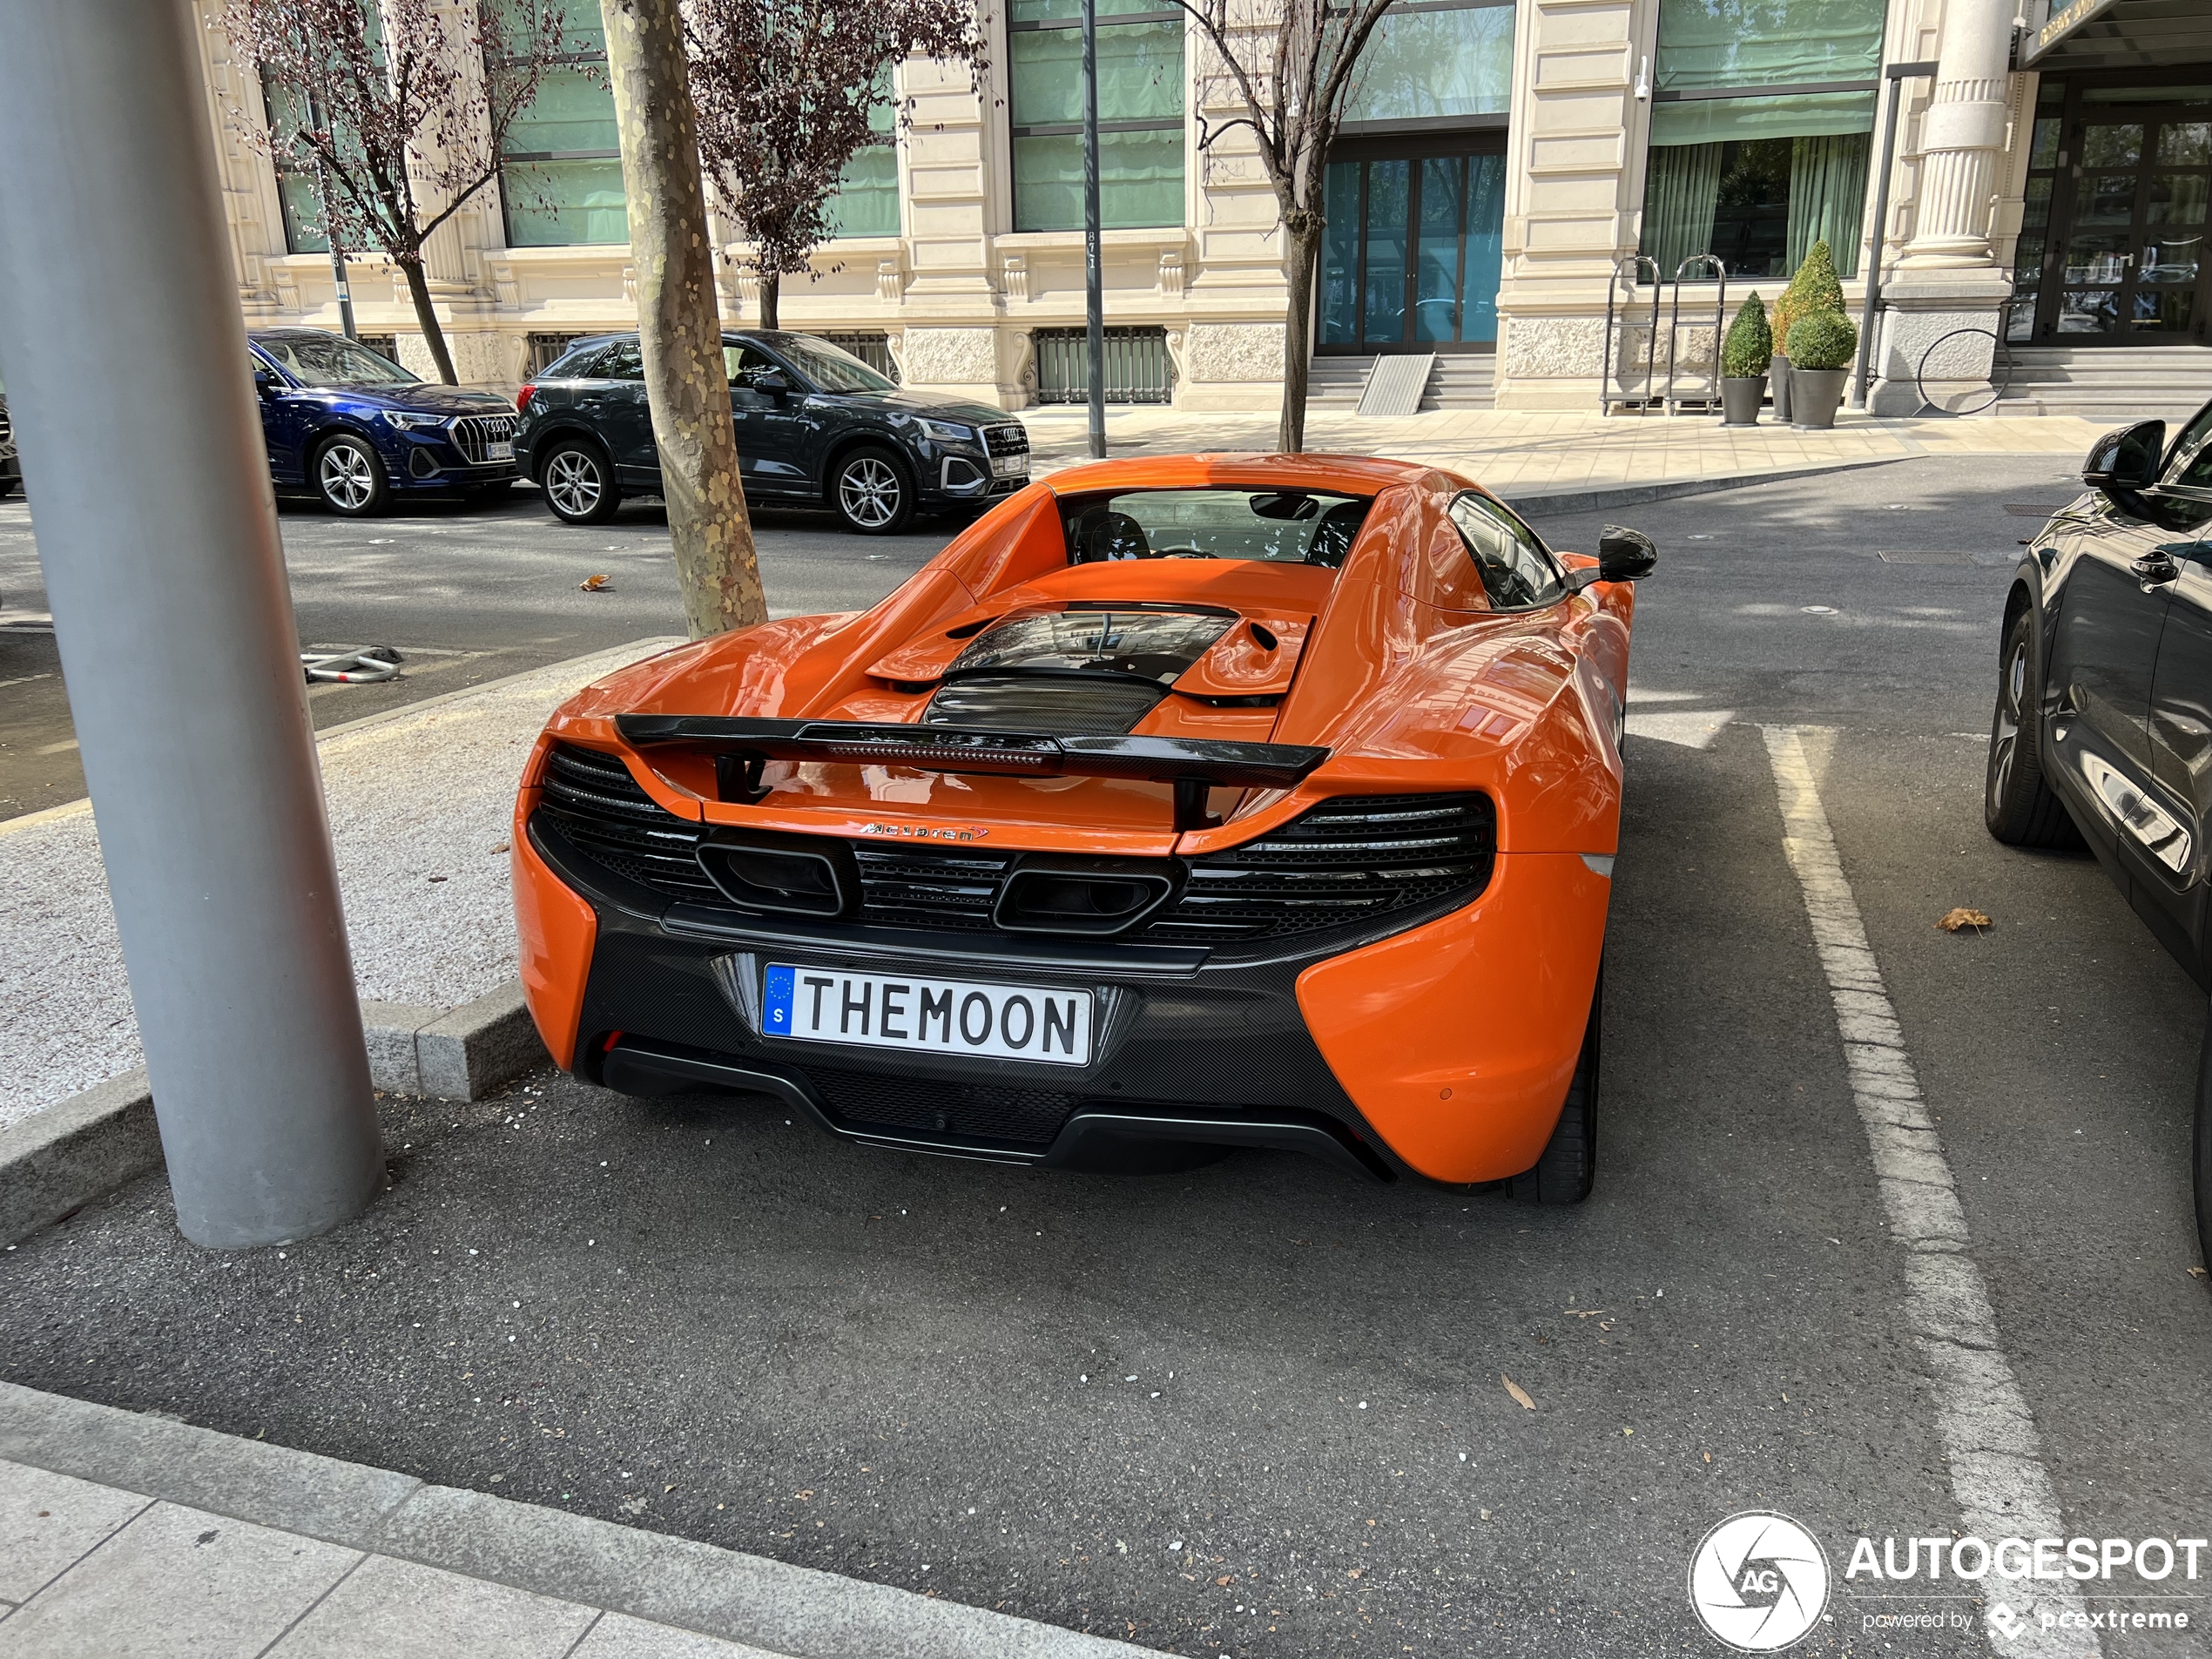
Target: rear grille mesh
column 609, row 818
column 1346, row 861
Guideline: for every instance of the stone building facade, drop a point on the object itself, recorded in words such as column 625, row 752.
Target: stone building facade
column 1507, row 166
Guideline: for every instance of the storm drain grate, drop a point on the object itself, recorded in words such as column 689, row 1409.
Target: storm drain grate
column 1895, row 555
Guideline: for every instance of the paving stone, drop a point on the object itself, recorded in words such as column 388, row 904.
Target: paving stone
column 390, row 1609
column 178, row 1584
column 48, row 1521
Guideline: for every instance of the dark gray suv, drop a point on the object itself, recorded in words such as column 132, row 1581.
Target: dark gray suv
column 815, row 427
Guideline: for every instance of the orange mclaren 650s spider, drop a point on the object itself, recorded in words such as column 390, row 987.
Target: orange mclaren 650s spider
column 1180, row 804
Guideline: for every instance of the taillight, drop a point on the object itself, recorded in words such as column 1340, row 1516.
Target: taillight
column 522, row 400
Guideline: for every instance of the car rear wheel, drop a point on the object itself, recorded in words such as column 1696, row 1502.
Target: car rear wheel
column 871, row 492
column 349, row 477
column 1568, row 1167
column 579, row 485
column 2018, row 803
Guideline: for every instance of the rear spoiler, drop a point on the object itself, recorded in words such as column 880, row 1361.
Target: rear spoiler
column 742, row 745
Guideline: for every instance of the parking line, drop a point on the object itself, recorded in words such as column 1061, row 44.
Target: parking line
column 1987, row 1431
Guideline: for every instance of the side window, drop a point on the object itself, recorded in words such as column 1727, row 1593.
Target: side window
column 1517, row 573
column 746, row 364
column 620, row 361
column 2192, row 466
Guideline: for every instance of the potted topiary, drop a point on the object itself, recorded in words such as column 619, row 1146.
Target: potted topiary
column 1822, row 346
column 1813, row 288
column 1745, row 356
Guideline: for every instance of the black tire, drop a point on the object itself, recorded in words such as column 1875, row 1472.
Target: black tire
column 1568, row 1167
column 579, row 483
column 348, row 476
column 2018, row 803
column 2201, row 1152
column 871, row 489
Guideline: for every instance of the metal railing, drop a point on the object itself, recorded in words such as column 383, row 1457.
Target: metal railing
column 1138, row 368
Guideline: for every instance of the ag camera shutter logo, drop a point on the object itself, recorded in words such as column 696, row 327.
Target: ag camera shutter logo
column 1758, row 1582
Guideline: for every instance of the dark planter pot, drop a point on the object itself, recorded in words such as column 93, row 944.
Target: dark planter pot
column 1778, row 372
column 1816, row 394
column 1740, row 399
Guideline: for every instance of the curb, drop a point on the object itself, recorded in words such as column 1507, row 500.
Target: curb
column 95, row 1141
column 1600, row 498
column 799, row 1612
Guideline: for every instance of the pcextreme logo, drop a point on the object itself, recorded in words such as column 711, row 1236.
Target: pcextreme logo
column 1758, row 1582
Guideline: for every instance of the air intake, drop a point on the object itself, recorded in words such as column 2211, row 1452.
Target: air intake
column 1070, row 703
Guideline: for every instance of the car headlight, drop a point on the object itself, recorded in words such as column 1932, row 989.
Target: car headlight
column 947, row 431
column 408, row 422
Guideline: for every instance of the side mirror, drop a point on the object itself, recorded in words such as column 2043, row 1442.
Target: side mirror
column 774, row 382
column 264, row 383
column 2126, row 457
column 1624, row 554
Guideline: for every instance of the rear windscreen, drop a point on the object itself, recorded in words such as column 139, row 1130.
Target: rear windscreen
column 1283, row 526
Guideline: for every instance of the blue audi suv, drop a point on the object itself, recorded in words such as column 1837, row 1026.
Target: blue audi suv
column 354, row 429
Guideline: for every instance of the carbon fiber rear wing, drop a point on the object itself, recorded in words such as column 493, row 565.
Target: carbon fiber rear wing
column 742, row 745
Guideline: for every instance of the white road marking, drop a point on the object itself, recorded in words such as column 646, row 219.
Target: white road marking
column 1690, row 728
column 1988, row 1432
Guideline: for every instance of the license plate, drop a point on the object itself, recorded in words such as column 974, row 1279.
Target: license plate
column 1009, row 466
column 927, row 1016
column 499, row 452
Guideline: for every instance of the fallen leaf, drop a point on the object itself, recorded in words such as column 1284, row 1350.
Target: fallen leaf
column 1961, row 917
column 1584, row 1313
column 595, row 583
column 503, row 846
column 1351, row 1572
column 1224, row 1579
column 2196, row 1272
column 1520, row 1394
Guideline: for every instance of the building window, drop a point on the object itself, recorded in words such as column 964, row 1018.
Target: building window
column 873, row 349
column 1140, row 114
column 1436, row 60
column 866, row 202
column 560, row 174
column 306, row 228
column 1138, row 368
column 1762, row 117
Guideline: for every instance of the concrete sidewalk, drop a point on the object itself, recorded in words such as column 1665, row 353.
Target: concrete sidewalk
column 1524, row 453
column 419, row 800
column 124, row 1535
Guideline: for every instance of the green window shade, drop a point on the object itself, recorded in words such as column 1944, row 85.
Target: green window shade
column 303, row 221
column 1069, row 10
column 1707, row 45
column 1828, row 196
column 570, row 115
column 1140, row 180
column 1682, row 194
column 1789, row 115
column 1436, row 63
column 565, row 204
column 866, row 203
column 1140, row 74
column 1759, row 205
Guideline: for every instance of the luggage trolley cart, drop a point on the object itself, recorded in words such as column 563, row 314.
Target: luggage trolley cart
column 1614, row 385
column 1709, row 395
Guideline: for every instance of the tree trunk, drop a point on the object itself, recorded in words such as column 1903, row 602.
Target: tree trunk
column 1303, row 231
column 418, row 289
column 678, row 324
column 771, row 289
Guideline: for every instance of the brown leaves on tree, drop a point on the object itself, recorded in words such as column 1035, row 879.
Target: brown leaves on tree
column 783, row 93
column 399, row 110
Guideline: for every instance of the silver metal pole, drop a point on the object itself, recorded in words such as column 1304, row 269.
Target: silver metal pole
column 1094, row 270
column 125, row 365
column 1896, row 74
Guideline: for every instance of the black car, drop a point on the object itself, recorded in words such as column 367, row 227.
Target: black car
column 354, row 429
column 2103, row 728
column 815, row 425
column 10, row 465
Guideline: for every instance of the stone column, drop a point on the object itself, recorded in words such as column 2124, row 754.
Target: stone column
column 1947, row 279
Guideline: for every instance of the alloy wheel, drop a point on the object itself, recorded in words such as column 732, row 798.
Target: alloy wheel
column 870, row 492
column 346, row 476
column 2003, row 737
column 573, row 485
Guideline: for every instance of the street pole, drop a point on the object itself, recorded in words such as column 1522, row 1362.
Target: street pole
column 159, row 537
column 1896, row 74
column 337, row 256
column 1094, row 270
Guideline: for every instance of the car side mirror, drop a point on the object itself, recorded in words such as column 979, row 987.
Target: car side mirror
column 774, row 382
column 1624, row 554
column 2126, row 457
column 263, row 383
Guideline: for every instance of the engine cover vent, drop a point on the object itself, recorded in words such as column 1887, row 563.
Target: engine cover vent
column 1064, row 704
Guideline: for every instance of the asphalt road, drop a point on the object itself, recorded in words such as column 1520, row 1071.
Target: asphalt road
column 466, row 594
column 1258, row 1410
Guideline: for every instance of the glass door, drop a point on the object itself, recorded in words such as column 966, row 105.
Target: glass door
column 2111, row 241
column 1411, row 255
